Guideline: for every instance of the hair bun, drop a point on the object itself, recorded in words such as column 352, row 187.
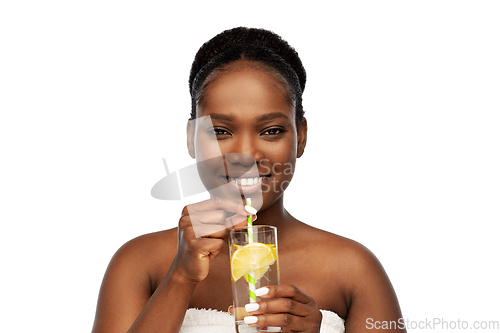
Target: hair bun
column 247, row 36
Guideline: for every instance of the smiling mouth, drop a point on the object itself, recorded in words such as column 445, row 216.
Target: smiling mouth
column 247, row 181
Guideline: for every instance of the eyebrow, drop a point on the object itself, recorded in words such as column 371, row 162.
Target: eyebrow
column 220, row 116
column 271, row 116
column 266, row 117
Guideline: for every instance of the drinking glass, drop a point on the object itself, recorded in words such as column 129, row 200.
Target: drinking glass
column 254, row 264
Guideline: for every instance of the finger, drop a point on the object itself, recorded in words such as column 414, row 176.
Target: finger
column 185, row 227
column 210, row 231
column 208, row 217
column 202, row 221
column 210, row 247
column 219, row 230
column 285, row 290
column 285, row 320
column 216, row 203
column 238, row 221
column 209, row 223
column 210, row 244
column 189, row 229
column 282, row 305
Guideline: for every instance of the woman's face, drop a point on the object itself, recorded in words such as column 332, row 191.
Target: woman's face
column 255, row 129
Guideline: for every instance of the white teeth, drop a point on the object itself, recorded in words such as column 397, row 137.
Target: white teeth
column 247, row 181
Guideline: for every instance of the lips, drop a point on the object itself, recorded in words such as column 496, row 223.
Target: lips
column 246, row 184
column 247, row 181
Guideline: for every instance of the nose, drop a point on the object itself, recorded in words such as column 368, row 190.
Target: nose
column 243, row 159
column 244, row 151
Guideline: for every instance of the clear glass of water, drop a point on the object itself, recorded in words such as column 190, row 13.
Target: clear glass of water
column 254, row 264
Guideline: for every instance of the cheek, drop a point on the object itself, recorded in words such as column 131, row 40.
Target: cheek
column 282, row 159
column 209, row 171
column 285, row 151
column 208, row 167
column 206, row 147
column 284, row 170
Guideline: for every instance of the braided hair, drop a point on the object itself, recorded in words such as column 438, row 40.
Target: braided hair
column 256, row 45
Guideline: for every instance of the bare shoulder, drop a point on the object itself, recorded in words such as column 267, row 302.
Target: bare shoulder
column 347, row 252
column 150, row 246
column 333, row 247
column 355, row 261
column 150, row 254
column 348, row 275
column 142, row 256
column 131, row 276
column 359, row 277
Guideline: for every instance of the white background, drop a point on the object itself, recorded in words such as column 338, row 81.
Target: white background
column 402, row 102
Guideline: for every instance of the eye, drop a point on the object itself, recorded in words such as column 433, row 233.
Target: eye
column 274, row 131
column 220, row 133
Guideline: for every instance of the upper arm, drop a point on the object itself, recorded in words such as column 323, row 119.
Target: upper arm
column 372, row 299
column 125, row 289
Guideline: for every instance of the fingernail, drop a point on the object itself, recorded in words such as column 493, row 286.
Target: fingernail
column 250, row 307
column 250, row 320
column 261, row 291
column 251, row 210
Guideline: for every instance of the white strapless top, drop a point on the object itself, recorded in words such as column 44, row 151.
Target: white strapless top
column 213, row 321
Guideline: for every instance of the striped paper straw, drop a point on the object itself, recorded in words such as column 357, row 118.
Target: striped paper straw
column 251, row 275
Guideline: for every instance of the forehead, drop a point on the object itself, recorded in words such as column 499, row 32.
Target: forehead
column 245, row 87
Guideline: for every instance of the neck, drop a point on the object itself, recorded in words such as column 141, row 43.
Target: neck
column 276, row 215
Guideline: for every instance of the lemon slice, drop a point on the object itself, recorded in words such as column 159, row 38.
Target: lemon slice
column 273, row 250
column 259, row 272
column 252, row 257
